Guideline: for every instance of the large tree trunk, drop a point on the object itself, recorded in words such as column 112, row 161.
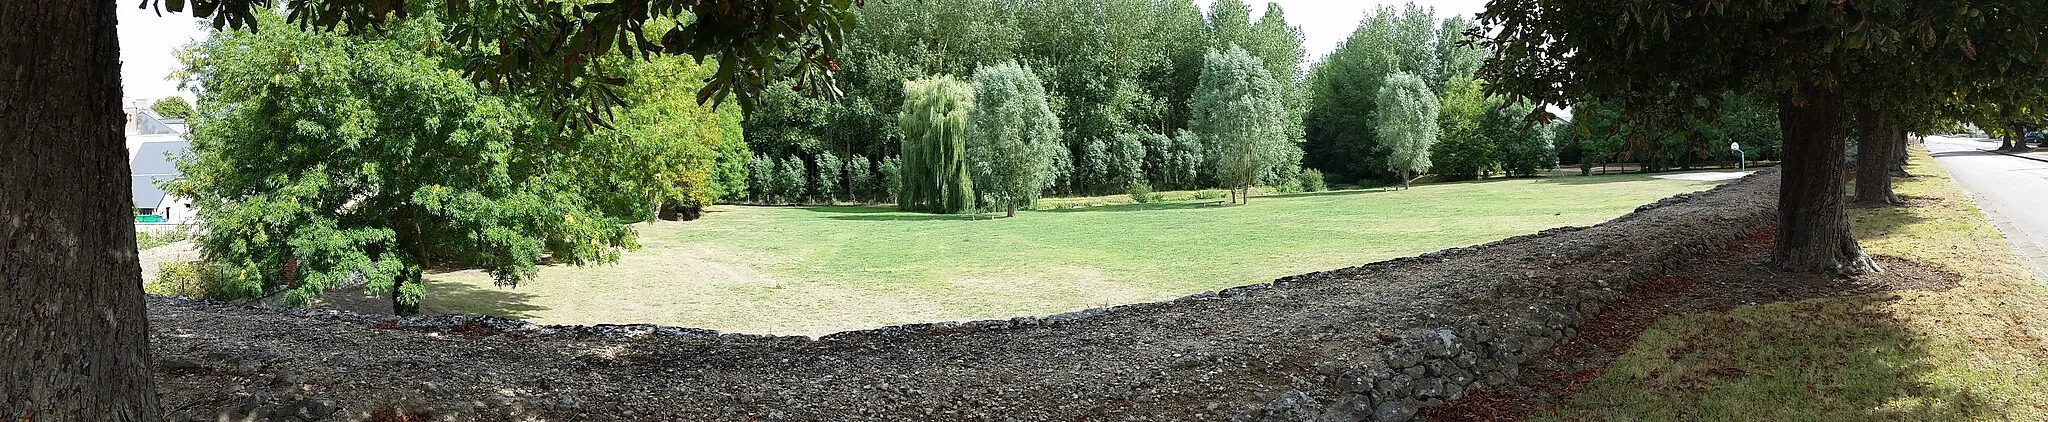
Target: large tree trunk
column 1874, row 156
column 74, row 341
column 1813, row 228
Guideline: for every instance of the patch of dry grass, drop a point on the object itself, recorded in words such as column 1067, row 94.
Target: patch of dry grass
column 1975, row 352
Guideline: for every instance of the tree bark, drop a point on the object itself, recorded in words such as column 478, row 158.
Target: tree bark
column 74, row 338
column 1813, row 227
column 1900, row 142
column 1874, row 156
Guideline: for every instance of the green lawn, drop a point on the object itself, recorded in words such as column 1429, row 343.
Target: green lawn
column 818, row 270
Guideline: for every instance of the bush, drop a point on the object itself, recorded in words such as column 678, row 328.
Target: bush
column 1142, row 193
column 1210, row 194
column 184, row 279
column 891, row 178
column 144, row 240
column 1311, row 180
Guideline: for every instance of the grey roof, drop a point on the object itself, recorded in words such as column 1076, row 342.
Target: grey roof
column 153, row 163
column 147, row 123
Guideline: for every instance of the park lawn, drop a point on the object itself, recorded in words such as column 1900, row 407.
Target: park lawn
column 1975, row 352
column 819, row 270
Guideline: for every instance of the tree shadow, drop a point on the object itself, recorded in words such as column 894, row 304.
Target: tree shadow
column 465, row 298
column 1333, row 192
column 1883, row 222
column 1156, row 206
column 1963, row 153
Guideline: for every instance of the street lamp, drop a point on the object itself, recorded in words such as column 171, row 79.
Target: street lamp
column 1740, row 157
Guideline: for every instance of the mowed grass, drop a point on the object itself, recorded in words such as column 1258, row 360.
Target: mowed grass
column 1975, row 352
column 818, row 270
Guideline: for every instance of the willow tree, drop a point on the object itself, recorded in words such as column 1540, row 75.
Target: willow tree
column 1669, row 62
column 934, row 125
column 1237, row 112
column 83, row 355
column 1011, row 136
column 1406, row 124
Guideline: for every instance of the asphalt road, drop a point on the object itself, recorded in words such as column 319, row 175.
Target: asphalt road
column 2012, row 191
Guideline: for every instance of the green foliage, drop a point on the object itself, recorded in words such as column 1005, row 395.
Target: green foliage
column 1406, row 124
column 1237, row 112
column 934, row 125
column 831, row 176
column 665, row 149
column 760, row 177
column 791, row 179
column 861, row 181
column 146, row 241
column 1210, row 194
column 193, row 279
column 366, row 156
column 1012, row 136
column 1126, row 159
column 1311, row 180
column 1463, row 151
column 1184, row 161
column 1342, row 111
column 1524, row 149
column 172, row 107
column 891, row 177
column 1142, row 193
column 1093, row 167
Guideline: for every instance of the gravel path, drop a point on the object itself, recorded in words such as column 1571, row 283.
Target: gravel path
column 1206, row 357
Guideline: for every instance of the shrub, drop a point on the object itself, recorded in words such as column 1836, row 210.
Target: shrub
column 1311, row 180
column 891, row 178
column 190, row 279
column 145, row 240
column 831, row 176
column 860, row 181
column 1142, row 193
column 1127, row 158
column 1209, row 194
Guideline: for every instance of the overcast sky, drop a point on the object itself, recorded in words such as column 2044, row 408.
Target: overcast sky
column 147, row 40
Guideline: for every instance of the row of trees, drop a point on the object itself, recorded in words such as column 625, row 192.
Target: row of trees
column 825, row 179
column 1113, row 71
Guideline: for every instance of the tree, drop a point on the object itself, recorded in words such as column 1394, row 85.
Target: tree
column 1184, row 160
column 934, row 125
column 831, row 176
column 891, row 175
column 1127, row 158
column 1462, row 150
column 85, row 356
column 860, row 179
column 374, row 161
column 1406, row 124
column 761, row 177
column 1011, row 136
column 1523, row 148
column 1805, row 54
column 1237, row 112
column 172, row 107
column 791, row 179
column 1343, row 85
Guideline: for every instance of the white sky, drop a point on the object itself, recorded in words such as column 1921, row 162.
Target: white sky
column 146, row 45
column 147, row 40
column 1324, row 23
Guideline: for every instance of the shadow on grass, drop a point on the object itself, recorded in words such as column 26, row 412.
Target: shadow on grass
column 1156, row 206
column 464, row 298
column 1335, row 192
column 1883, row 222
column 1847, row 359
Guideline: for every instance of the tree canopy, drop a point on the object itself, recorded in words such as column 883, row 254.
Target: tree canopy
column 1237, row 112
column 1012, row 136
column 172, row 107
column 934, row 123
column 325, row 159
column 1406, row 124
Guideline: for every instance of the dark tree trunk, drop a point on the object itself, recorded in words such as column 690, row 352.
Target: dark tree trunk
column 1899, row 142
column 1874, row 156
column 1813, row 227
column 74, row 339
column 1012, row 209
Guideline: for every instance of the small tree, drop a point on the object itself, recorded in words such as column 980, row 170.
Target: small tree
column 1127, row 159
column 1094, row 166
column 831, row 177
column 790, row 183
column 890, row 174
column 172, row 107
column 1158, row 157
column 1406, row 124
column 760, row 177
column 1523, row 149
column 1237, row 111
column 860, row 181
column 934, row 124
column 1184, row 163
column 1011, row 136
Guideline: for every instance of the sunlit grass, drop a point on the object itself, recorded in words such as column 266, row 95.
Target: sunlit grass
column 817, row 270
column 1975, row 352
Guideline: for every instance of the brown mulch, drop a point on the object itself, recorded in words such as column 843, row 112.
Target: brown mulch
column 1736, row 276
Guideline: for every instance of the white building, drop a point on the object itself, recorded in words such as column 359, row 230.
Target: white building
column 153, row 147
